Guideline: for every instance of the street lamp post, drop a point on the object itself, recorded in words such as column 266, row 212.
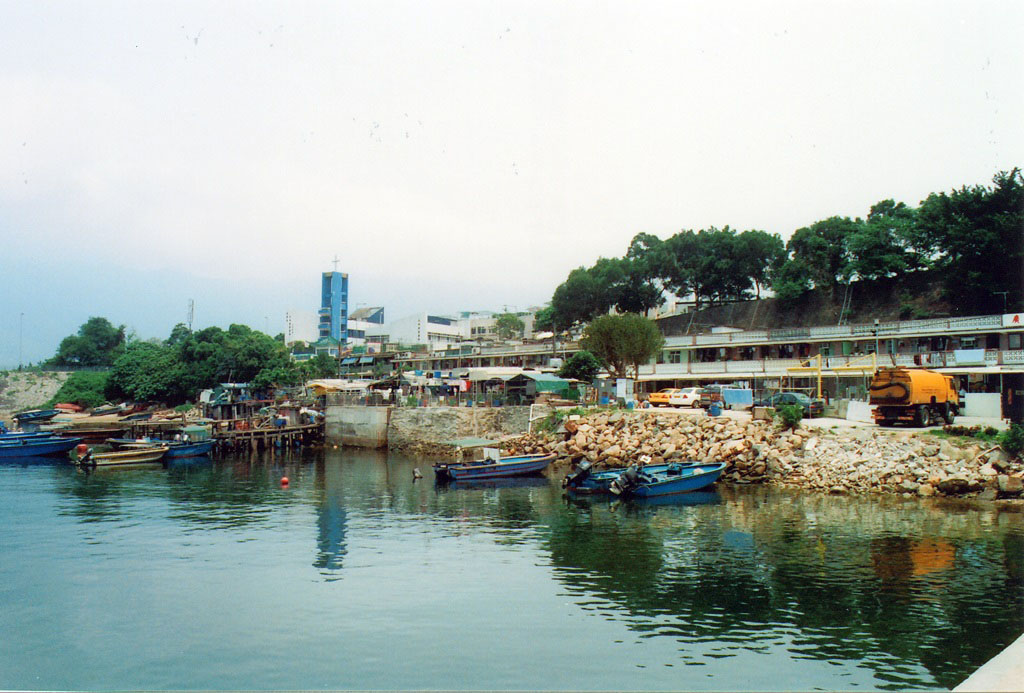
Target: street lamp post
column 876, row 338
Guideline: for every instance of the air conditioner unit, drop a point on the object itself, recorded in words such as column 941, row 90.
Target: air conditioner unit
column 476, row 350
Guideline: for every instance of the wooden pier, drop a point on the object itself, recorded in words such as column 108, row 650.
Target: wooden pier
column 239, row 434
column 261, row 438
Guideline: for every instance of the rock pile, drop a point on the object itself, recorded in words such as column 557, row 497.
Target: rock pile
column 850, row 461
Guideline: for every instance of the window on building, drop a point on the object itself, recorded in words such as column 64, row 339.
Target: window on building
column 1013, row 341
column 675, row 357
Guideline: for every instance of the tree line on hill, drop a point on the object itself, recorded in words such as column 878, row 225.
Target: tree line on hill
column 174, row 370
column 973, row 238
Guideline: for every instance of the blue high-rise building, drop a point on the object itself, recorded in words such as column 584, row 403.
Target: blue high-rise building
column 334, row 307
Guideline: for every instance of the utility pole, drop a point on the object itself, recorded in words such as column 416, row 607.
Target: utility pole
column 21, row 330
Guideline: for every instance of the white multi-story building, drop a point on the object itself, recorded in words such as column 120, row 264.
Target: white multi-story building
column 434, row 331
column 301, row 326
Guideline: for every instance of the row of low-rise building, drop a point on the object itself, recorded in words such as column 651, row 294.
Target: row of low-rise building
column 985, row 352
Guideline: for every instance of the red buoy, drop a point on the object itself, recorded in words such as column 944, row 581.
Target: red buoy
column 284, row 482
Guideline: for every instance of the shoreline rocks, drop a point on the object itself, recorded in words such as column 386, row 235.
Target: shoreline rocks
column 848, row 461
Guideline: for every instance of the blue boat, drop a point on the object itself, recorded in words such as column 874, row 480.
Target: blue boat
column 175, row 448
column 196, row 449
column 33, row 447
column 492, row 469
column 35, row 415
column 8, row 436
column 585, row 481
column 638, row 481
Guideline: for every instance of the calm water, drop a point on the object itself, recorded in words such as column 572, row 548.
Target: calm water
column 210, row 575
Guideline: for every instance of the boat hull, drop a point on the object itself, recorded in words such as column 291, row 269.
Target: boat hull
column 37, row 447
column 600, row 482
column 506, row 467
column 686, row 480
column 37, row 416
column 174, row 449
column 190, row 449
column 125, row 457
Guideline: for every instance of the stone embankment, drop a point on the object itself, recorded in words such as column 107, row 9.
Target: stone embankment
column 851, row 461
column 27, row 390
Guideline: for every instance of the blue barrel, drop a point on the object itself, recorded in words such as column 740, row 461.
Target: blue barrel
column 604, row 400
column 714, row 409
column 630, row 404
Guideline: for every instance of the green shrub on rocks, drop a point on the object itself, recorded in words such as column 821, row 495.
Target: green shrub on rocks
column 789, row 416
column 1012, row 440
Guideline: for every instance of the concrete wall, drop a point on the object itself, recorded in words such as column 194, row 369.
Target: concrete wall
column 362, row 427
column 985, row 404
column 407, row 427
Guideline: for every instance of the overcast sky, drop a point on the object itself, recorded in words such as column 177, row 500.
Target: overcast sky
column 455, row 155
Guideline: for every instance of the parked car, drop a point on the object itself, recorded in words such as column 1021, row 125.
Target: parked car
column 686, row 397
column 709, row 394
column 661, row 397
column 811, row 407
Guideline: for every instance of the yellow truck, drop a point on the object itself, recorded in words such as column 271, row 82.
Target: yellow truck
column 914, row 395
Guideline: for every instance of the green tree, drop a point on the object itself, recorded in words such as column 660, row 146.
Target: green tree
column 792, row 280
column 823, row 250
column 758, row 254
column 97, row 343
column 508, row 326
column 974, row 237
column 582, row 366
column 712, row 264
column 880, row 247
column 148, row 372
column 581, row 297
column 320, row 366
column 621, row 341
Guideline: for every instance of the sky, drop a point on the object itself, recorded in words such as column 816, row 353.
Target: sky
column 455, row 155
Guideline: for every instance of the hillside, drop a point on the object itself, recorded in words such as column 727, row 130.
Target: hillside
column 911, row 297
column 27, row 390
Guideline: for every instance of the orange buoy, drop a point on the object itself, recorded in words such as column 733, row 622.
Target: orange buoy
column 81, row 449
column 284, row 482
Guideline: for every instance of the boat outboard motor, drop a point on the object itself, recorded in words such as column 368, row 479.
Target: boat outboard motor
column 626, row 482
column 577, row 477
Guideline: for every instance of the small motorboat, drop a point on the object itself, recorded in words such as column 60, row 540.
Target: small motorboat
column 35, row 416
column 640, row 482
column 492, row 468
column 583, row 480
column 147, row 455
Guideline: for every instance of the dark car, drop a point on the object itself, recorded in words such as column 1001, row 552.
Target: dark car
column 811, row 407
column 709, row 394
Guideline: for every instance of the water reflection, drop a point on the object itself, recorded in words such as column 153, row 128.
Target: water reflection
column 918, row 594
column 877, row 583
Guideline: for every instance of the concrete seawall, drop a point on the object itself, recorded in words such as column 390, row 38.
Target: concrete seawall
column 418, row 427
column 361, row 427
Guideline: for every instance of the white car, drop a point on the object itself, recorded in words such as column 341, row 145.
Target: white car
column 686, row 397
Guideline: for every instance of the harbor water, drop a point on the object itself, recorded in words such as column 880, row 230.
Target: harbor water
column 211, row 575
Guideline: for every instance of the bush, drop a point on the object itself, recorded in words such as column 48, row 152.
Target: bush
column 1012, row 440
column 85, row 388
column 789, row 415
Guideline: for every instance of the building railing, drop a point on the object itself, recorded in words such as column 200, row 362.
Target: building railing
column 932, row 359
column 860, row 330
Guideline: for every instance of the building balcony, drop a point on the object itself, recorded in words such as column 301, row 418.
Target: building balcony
column 964, row 361
column 887, row 330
